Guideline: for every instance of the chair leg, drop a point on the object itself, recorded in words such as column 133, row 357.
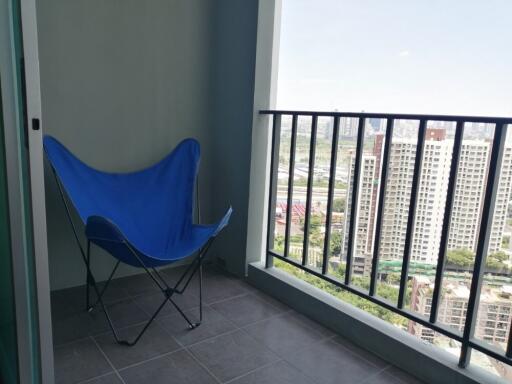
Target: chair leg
column 200, row 293
column 92, row 280
column 105, row 286
column 87, row 279
column 166, row 291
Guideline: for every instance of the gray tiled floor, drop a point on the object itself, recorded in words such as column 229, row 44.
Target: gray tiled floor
column 246, row 338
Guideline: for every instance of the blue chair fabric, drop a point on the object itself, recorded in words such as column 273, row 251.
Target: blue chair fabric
column 149, row 211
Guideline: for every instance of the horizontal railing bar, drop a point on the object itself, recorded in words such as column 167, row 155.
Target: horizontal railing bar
column 374, row 299
column 490, row 351
column 395, row 116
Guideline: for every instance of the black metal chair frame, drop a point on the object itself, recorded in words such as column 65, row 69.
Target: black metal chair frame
column 196, row 266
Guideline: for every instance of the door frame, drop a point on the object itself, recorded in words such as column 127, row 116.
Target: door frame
column 24, row 170
column 37, row 191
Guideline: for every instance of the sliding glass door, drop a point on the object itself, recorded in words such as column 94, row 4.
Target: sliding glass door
column 8, row 346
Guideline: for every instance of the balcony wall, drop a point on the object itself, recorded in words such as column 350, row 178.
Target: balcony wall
column 233, row 102
column 124, row 81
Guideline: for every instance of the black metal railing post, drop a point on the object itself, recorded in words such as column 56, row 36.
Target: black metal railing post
column 354, row 208
column 484, row 235
column 289, row 200
column 508, row 353
column 445, row 231
column 309, row 191
column 380, row 205
column 330, row 193
column 409, row 234
column 274, row 167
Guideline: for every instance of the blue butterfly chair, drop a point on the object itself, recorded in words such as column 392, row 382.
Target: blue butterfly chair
column 142, row 218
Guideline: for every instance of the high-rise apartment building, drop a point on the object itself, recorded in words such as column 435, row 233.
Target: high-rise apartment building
column 366, row 196
column 502, row 199
column 431, row 197
column 365, row 222
column 494, row 314
column 469, row 194
column 430, row 205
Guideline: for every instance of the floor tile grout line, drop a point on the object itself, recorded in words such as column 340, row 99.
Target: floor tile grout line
column 150, row 359
column 213, row 337
column 283, row 314
column 178, row 342
column 401, row 370
column 203, row 366
column 375, row 375
column 249, row 293
column 67, row 343
column 96, row 378
column 180, row 347
column 354, row 353
column 226, row 318
column 254, row 370
column 108, row 360
column 278, row 354
column 306, row 374
column 237, row 296
column 262, row 320
column 269, row 298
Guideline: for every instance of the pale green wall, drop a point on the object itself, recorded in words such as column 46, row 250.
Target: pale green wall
column 235, row 31
column 123, row 81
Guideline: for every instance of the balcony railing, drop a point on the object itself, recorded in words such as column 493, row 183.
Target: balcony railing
column 465, row 335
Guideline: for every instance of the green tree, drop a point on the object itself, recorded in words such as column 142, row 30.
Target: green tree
column 466, row 258
column 505, row 243
column 336, row 243
column 460, row 257
column 279, row 243
column 338, row 205
column 497, row 261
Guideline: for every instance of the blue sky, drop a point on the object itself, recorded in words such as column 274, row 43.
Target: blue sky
column 404, row 56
